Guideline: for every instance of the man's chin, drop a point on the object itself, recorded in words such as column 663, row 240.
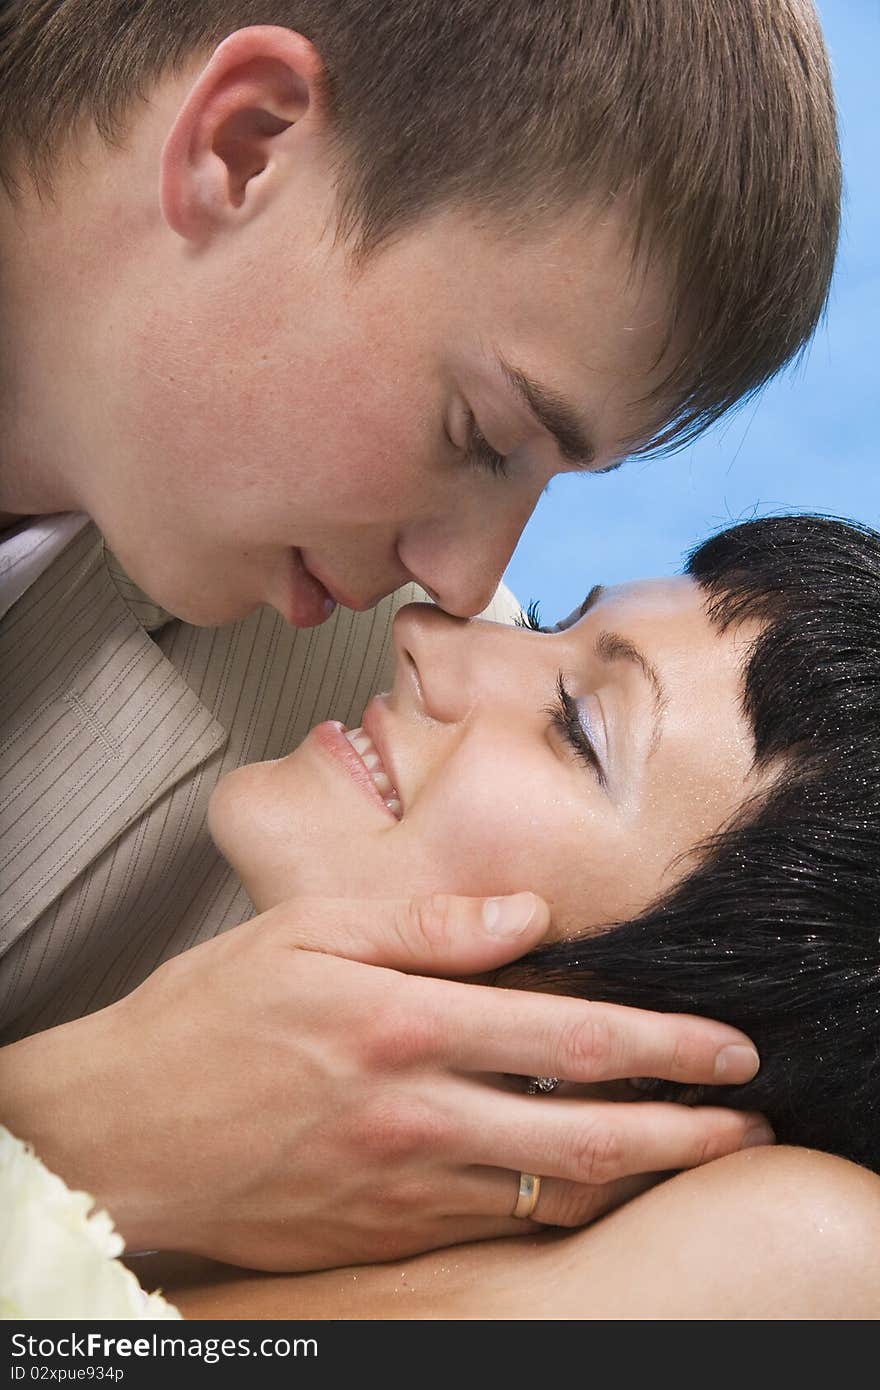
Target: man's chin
column 202, row 607
column 211, row 614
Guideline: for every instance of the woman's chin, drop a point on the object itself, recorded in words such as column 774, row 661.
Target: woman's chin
column 279, row 827
column 302, row 826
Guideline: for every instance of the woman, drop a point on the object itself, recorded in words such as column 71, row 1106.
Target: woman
column 688, row 772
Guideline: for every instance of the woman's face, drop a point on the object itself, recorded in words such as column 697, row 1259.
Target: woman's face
column 474, row 775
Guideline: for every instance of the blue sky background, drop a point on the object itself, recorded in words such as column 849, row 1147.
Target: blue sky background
column 809, row 441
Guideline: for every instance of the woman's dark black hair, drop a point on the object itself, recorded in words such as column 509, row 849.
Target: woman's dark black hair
column 778, row 930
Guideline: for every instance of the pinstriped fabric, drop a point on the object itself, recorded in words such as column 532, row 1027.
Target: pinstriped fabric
column 116, row 722
column 29, row 548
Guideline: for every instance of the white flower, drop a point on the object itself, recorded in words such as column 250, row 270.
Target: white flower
column 57, row 1261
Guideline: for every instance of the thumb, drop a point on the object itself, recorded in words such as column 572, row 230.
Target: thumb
column 446, row 935
column 435, row 935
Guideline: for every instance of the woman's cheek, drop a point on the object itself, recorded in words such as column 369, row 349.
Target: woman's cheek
column 487, row 836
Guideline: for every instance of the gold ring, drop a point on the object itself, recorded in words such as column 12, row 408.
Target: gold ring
column 528, row 1194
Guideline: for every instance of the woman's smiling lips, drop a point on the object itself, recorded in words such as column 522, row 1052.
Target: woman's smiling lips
column 373, row 722
column 334, row 739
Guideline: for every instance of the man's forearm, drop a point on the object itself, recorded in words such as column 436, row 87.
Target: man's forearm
column 53, row 1096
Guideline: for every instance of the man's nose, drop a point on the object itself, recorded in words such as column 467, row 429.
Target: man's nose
column 461, row 572
column 467, row 594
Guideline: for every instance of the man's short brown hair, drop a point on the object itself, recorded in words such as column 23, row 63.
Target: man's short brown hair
column 713, row 118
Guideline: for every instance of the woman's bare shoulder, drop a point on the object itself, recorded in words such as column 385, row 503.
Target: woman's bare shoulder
column 786, row 1177
column 765, row 1233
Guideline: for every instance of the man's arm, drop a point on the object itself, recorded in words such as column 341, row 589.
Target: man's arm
column 265, row 1103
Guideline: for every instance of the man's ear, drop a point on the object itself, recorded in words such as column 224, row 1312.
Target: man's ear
column 228, row 139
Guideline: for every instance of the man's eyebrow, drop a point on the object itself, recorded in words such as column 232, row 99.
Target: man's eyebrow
column 557, row 415
column 610, row 646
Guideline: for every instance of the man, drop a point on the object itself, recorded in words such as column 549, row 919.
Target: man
column 304, row 302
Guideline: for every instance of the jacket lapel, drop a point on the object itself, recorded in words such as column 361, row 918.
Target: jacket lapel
column 95, row 725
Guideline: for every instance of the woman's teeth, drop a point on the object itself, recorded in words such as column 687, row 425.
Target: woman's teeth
column 365, row 748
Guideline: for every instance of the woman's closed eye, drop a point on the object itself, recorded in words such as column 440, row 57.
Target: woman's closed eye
column 565, row 713
column 568, row 718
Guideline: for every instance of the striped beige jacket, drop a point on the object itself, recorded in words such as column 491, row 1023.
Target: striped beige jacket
column 116, row 722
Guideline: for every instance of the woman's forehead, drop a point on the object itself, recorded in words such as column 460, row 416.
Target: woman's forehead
column 635, row 600
column 666, row 623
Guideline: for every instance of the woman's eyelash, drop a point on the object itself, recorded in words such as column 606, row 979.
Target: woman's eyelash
column 480, row 453
column 564, row 714
column 531, row 618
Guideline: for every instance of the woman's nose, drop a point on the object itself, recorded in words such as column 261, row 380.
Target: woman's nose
column 449, row 666
column 426, row 655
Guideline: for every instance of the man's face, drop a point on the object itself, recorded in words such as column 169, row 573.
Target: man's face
column 281, row 428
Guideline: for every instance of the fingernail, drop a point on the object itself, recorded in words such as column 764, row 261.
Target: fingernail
column 736, row 1063
column 758, row 1134
column 508, row 916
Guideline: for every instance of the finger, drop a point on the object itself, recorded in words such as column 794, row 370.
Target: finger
column 550, row 1035
column 481, row 1202
column 599, row 1142
column 435, row 935
column 494, row 1192
column 573, row 1204
column 559, row 1204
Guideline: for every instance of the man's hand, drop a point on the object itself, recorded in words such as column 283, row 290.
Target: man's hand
column 262, row 1101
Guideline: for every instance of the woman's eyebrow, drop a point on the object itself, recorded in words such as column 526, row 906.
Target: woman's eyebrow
column 611, row 646
column 557, row 416
column 575, row 616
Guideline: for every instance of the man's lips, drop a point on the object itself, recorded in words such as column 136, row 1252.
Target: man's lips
column 340, row 596
column 307, row 602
